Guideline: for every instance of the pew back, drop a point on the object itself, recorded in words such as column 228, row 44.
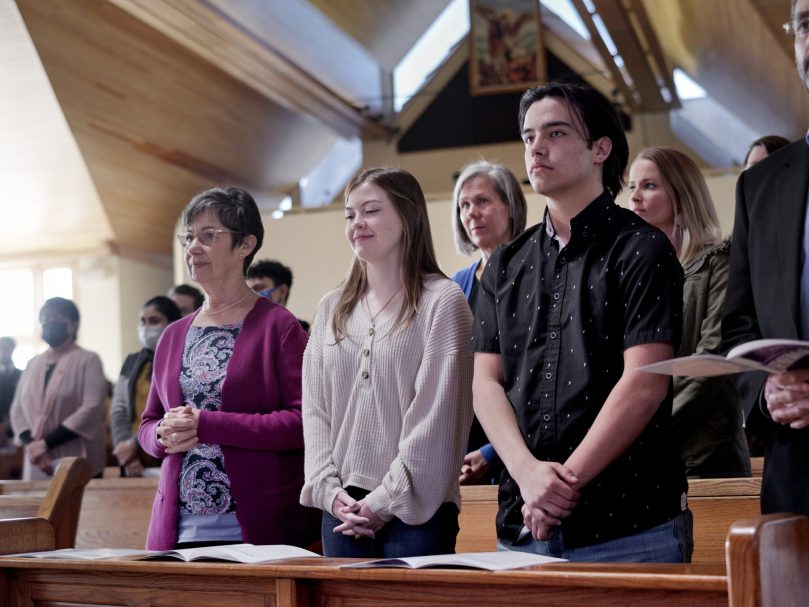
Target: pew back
column 59, row 508
column 768, row 560
column 715, row 503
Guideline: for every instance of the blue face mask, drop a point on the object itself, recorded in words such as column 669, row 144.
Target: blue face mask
column 267, row 292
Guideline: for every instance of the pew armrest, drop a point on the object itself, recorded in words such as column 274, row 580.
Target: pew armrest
column 767, row 560
column 25, row 535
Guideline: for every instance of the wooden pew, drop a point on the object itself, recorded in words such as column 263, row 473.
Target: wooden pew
column 715, row 503
column 768, row 561
column 23, row 519
column 30, row 582
column 114, row 512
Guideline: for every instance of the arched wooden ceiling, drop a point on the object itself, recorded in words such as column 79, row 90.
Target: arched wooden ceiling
column 164, row 98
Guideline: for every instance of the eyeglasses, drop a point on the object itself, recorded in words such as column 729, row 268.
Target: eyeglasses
column 206, row 236
column 798, row 27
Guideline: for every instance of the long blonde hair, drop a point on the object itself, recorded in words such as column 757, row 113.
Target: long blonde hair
column 696, row 224
column 418, row 255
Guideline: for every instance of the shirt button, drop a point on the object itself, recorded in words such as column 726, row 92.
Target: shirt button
column 555, row 296
column 562, row 261
column 548, row 375
column 553, row 334
column 546, row 417
column 365, row 375
column 366, row 352
column 371, row 331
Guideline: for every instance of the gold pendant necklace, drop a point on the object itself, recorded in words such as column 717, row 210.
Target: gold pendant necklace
column 373, row 317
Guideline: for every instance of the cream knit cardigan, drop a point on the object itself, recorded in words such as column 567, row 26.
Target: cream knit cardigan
column 389, row 411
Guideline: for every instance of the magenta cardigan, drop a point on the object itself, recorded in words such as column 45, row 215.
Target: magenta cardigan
column 259, row 430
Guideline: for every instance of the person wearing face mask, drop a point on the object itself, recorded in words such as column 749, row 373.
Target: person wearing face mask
column 132, row 389
column 273, row 280
column 58, row 409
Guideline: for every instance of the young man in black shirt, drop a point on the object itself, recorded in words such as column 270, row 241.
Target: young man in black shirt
column 566, row 314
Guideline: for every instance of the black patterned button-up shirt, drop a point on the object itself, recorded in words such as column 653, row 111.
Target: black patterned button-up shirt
column 561, row 320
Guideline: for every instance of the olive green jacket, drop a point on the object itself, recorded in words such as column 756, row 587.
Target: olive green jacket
column 707, row 416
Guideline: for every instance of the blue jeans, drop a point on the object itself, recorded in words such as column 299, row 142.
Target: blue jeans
column 395, row 539
column 671, row 542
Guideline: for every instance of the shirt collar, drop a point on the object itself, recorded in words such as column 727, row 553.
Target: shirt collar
column 589, row 220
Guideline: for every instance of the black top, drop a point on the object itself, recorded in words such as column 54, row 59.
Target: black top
column 9, row 376
column 561, row 321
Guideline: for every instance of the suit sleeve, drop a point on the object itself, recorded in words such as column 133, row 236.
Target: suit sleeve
column 739, row 324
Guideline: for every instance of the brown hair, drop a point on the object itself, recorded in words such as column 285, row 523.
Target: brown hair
column 418, row 255
column 694, row 214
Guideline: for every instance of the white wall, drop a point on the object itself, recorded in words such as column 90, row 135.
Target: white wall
column 111, row 291
column 313, row 243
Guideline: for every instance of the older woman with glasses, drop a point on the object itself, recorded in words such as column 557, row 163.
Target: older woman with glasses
column 224, row 408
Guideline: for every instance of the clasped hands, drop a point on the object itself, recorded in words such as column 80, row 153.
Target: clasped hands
column 474, row 468
column 38, row 455
column 127, row 454
column 787, row 397
column 549, row 492
column 177, row 431
column 357, row 518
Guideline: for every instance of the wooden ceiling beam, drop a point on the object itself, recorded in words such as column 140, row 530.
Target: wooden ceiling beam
column 595, row 37
column 619, row 25
column 654, row 49
column 214, row 36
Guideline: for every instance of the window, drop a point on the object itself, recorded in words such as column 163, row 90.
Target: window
column 30, row 287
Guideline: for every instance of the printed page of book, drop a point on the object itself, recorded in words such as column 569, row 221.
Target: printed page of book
column 491, row 561
column 87, row 554
column 701, row 365
column 769, row 355
column 239, row 553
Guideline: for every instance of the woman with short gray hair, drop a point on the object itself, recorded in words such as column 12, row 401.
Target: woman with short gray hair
column 224, row 408
column 488, row 210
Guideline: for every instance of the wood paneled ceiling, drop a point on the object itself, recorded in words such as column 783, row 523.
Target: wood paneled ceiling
column 158, row 99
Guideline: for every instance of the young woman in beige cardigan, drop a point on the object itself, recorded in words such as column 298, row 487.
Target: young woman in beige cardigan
column 387, row 384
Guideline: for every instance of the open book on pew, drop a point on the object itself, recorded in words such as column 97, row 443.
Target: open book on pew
column 237, row 553
column 769, row 355
column 492, row 561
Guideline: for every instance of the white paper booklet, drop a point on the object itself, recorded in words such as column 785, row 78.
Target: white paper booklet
column 85, row 554
column 770, row 355
column 238, row 553
column 492, row 561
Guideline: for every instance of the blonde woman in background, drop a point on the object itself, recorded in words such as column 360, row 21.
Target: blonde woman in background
column 668, row 191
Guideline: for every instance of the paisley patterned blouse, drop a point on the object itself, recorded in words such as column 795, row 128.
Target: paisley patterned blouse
column 204, row 485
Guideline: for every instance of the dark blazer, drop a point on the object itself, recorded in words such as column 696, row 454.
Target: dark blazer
column 763, row 301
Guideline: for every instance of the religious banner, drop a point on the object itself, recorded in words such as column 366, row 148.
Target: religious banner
column 506, row 46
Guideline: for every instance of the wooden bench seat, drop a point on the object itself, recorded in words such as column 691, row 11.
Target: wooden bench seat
column 45, row 523
column 115, row 512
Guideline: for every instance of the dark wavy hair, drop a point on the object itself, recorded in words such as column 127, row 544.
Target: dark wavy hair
column 165, row 306
column 269, row 268
column 596, row 117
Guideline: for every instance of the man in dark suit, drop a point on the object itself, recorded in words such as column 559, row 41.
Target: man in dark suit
column 768, row 297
